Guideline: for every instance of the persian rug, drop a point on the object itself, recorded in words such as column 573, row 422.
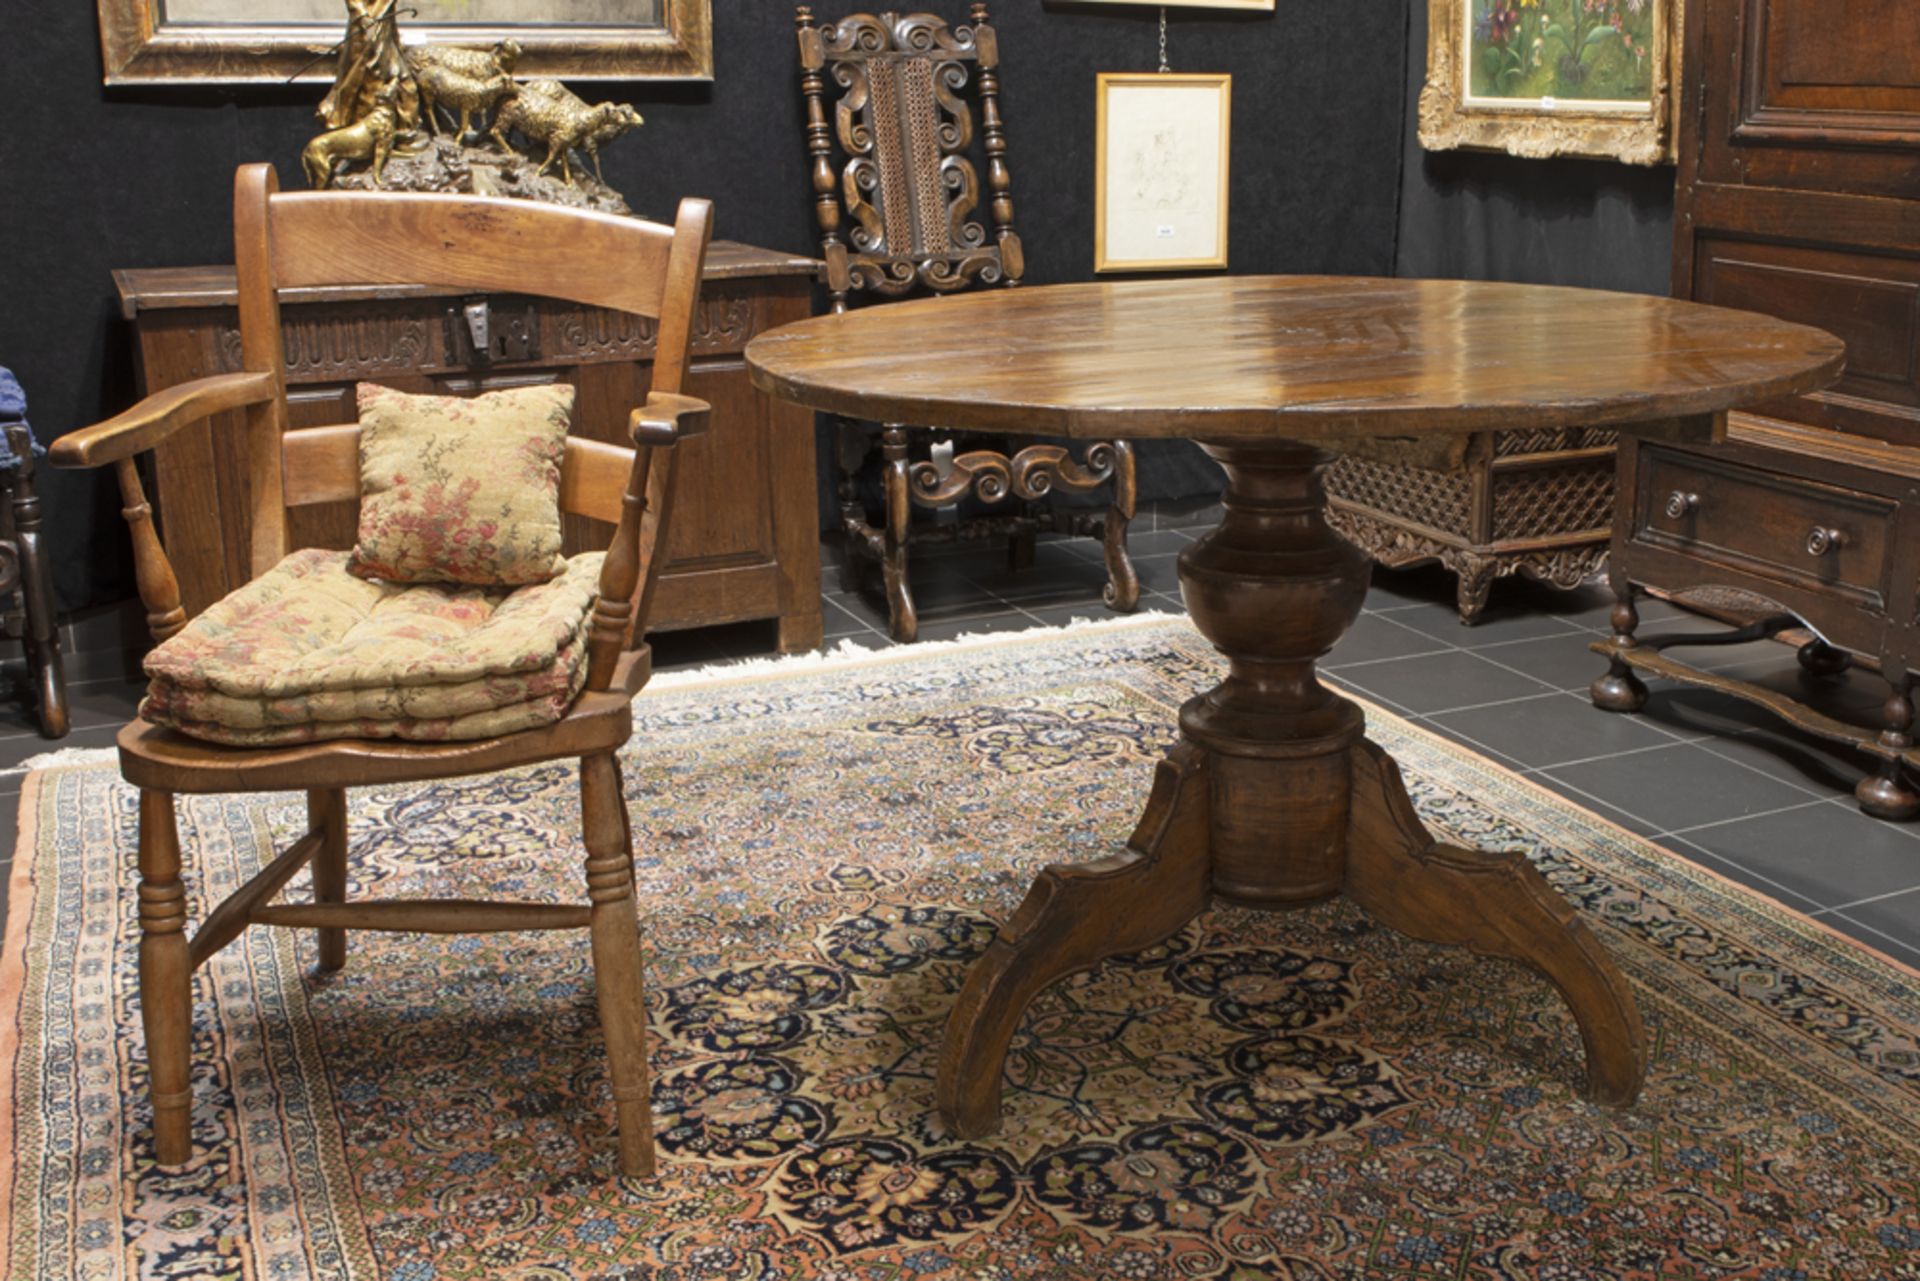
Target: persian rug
column 823, row 850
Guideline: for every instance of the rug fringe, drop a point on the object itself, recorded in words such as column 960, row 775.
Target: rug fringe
column 65, row 756
column 849, row 653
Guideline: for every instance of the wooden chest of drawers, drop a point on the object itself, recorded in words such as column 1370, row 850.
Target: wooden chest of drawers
column 1798, row 194
column 745, row 542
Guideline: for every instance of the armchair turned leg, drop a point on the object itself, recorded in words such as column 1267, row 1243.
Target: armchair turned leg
column 903, row 621
column 617, row 973
column 1122, row 593
column 327, row 812
column 166, row 981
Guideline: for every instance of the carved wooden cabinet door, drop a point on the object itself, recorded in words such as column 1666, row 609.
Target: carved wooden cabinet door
column 1799, row 190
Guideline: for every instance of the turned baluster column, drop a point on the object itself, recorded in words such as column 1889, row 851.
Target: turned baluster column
column 1274, row 587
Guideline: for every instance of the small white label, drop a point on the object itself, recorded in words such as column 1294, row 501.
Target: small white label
column 1546, row 103
column 1164, row 231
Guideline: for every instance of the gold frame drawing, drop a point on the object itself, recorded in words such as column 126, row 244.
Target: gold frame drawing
column 139, row 47
column 1109, row 80
column 1539, row 128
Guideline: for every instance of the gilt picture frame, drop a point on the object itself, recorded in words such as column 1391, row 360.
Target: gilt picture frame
column 1541, row 78
column 1161, row 150
column 158, row 42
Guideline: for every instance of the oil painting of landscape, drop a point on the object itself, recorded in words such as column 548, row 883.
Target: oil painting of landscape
column 1591, row 51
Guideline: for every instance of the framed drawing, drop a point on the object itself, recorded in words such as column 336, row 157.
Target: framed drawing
column 1539, row 78
column 264, row 41
column 1160, row 171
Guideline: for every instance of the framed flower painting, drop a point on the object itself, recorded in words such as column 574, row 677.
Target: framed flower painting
column 1538, row 78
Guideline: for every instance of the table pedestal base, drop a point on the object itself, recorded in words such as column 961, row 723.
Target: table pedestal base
column 1274, row 799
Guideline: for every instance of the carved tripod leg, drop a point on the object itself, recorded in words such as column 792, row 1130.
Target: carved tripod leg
column 617, row 973
column 1075, row 916
column 166, row 981
column 1496, row 905
column 903, row 622
column 1122, row 592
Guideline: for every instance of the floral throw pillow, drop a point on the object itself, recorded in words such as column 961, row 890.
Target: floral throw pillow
column 461, row 490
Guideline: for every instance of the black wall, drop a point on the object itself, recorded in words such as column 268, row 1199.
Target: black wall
column 97, row 179
column 1483, row 216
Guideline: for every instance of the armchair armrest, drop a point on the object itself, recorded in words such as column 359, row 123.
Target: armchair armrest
column 159, row 416
column 666, row 418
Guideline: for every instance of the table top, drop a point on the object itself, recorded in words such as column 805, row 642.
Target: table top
column 1314, row 358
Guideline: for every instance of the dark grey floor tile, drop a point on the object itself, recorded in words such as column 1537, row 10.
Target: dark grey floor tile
column 1892, row 949
column 1714, row 658
column 1499, row 623
column 1681, row 786
column 1377, row 636
column 1792, row 757
column 1562, row 661
column 1741, row 875
column 88, row 703
column 1695, row 714
column 1084, row 580
column 1896, row 916
column 1199, row 515
column 1166, row 602
column 1093, row 611
column 1829, row 854
column 1594, row 804
column 1588, row 605
column 836, row 620
column 978, row 624
column 1158, row 573
column 1855, row 696
column 1156, row 542
column 1432, row 683
column 1400, row 588
column 674, row 650
column 1553, row 729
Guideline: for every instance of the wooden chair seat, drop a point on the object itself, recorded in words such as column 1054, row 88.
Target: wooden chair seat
column 155, row 756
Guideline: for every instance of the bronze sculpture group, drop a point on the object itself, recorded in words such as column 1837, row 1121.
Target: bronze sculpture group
column 399, row 118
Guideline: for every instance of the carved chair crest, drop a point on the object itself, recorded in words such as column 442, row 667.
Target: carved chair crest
column 908, row 191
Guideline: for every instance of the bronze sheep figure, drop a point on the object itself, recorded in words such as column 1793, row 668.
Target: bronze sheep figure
column 546, row 112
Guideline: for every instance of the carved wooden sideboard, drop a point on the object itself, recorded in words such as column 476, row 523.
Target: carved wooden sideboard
column 745, row 540
column 1538, row 503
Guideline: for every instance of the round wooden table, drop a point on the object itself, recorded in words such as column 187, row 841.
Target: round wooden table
column 1273, row 797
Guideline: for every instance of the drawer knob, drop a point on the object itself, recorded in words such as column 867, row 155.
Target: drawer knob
column 1681, row 504
column 1821, row 540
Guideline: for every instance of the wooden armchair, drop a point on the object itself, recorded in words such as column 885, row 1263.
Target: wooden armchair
column 895, row 220
column 317, row 238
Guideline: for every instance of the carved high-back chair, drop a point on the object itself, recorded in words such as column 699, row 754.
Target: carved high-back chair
column 897, row 218
column 325, row 238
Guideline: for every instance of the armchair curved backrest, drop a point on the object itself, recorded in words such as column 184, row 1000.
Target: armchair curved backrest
column 299, row 239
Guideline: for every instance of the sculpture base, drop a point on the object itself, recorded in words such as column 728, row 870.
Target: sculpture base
column 468, row 169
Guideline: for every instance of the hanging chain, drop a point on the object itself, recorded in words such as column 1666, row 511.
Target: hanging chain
column 1165, row 66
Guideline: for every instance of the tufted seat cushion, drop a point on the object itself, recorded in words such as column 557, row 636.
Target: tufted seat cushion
column 308, row 651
